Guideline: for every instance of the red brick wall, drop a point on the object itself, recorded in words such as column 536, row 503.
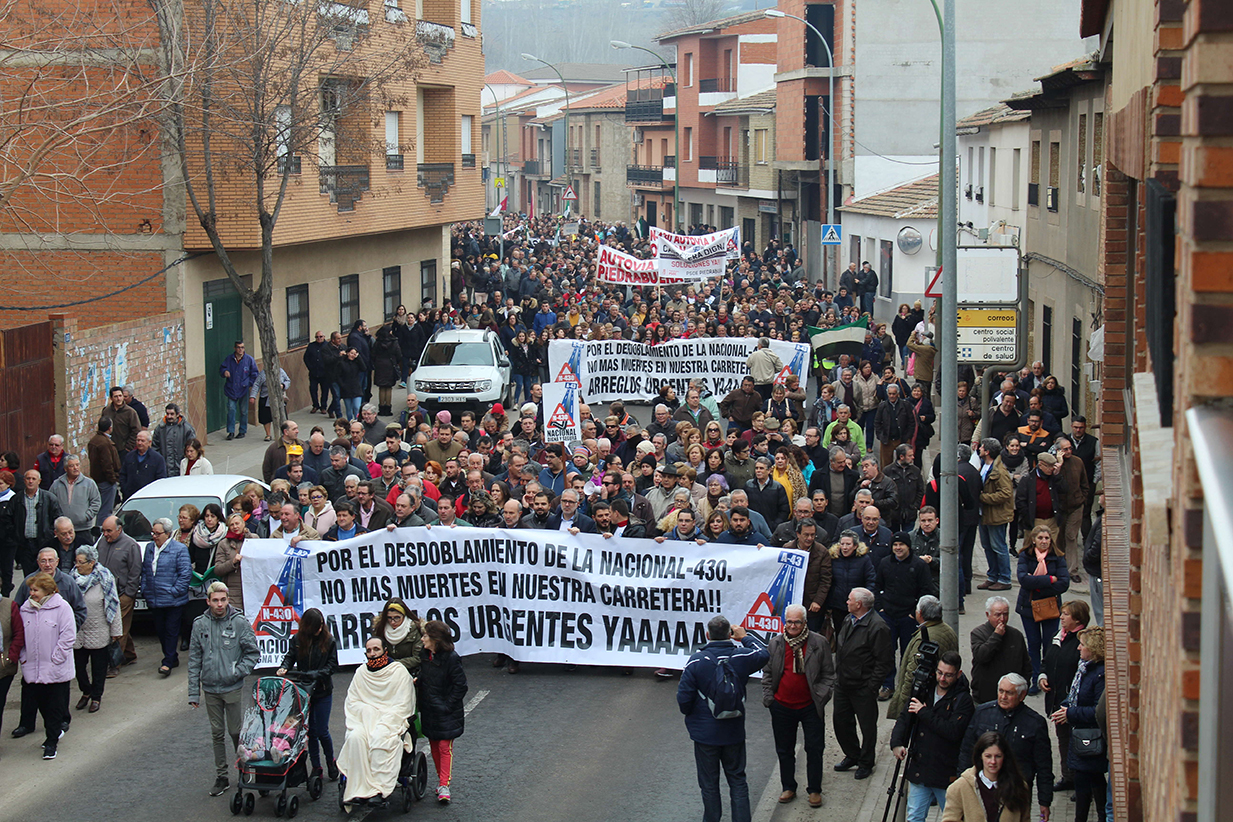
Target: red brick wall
column 30, row 281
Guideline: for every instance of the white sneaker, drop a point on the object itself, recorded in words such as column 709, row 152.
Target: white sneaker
column 443, row 794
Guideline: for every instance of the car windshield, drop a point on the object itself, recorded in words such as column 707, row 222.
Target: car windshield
column 457, row 353
column 136, row 515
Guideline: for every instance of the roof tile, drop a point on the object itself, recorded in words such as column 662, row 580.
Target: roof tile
column 917, row 200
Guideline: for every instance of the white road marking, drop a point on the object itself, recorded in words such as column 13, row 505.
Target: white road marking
column 475, row 700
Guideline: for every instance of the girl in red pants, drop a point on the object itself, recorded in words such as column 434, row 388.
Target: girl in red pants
column 443, row 686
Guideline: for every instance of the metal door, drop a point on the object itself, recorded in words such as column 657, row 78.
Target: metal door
column 223, row 326
column 27, row 382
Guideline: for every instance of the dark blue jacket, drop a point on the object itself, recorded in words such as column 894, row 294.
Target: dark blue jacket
column 729, row 538
column 243, row 375
column 582, row 522
column 168, row 587
column 136, row 474
column 856, row 571
column 699, row 672
column 1082, row 714
column 1032, row 586
column 360, row 342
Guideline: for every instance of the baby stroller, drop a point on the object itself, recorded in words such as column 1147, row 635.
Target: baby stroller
column 273, row 752
column 412, row 777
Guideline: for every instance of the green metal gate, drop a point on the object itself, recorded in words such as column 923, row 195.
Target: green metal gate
column 224, row 324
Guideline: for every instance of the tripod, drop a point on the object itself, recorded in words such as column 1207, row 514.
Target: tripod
column 899, row 785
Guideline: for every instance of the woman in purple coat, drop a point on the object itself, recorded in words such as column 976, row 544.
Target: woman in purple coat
column 47, row 658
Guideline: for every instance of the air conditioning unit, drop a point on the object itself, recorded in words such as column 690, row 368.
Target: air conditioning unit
column 638, row 136
column 637, row 199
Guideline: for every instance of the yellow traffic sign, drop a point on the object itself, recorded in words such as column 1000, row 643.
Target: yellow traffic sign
column 499, row 182
column 987, row 318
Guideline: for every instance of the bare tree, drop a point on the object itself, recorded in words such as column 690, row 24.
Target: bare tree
column 255, row 88
column 695, row 12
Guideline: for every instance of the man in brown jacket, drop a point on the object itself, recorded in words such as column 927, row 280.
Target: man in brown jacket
column 1078, row 491
column 796, row 685
column 739, row 406
column 124, row 422
column 997, row 502
column 104, row 467
column 817, row 573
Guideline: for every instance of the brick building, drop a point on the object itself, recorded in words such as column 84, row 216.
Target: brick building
column 1167, row 380
column 364, row 228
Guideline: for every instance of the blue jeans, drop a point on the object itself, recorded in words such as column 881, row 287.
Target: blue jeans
column 335, row 409
column 993, row 537
column 237, row 408
column 904, row 353
column 352, row 406
column 319, row 729
column 902, row 629
column 709, row 758
column 1038, row 635
column 920, row 798
column 522, row 388
column 167, row 628
column 866, row 423
column 867, row 303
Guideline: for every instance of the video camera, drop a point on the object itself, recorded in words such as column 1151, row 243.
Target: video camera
column 926, row 669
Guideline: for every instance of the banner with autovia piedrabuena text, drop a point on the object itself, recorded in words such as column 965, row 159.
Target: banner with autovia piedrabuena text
column 608, row 370
column 538, row 596
column 615, row 266
column 695, row 256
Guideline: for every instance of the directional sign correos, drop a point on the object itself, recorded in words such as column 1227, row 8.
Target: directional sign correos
column 987, row 335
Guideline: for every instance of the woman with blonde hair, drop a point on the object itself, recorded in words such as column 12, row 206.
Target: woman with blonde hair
column 1043, row 578
column 1079, row 711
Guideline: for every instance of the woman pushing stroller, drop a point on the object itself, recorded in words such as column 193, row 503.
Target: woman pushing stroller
column 314, row 654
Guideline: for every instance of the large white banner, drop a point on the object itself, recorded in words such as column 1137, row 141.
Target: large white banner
column 561, row 402
column 539, row 596
column 615, row 266
column 695, row 257
column 608, row 370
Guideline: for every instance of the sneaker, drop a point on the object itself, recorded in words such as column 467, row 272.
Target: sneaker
column 885, row 694
column 220, row 786
column 443, row 794
column 49, row 751
column 663, row 673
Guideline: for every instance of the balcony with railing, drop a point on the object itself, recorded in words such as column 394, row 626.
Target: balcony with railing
column 712, row 92
column 646, row 105
column 595, row 158
column 731, row 173
column 644, row 175
column 435, row 179
column 575, row 157
column 393, row 162
column 531, row 168
column 344, row 184
column 468, row 161
column 289, row 163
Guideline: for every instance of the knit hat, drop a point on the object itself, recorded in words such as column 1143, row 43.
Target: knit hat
column 582, row 450
column 498, row 408
column 444, row 417
column 902, row 536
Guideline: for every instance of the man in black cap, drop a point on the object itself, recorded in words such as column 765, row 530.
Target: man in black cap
column 662, row 494
column 901, row 580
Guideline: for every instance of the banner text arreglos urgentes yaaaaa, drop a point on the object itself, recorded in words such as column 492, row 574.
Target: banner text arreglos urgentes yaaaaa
column 539, row 596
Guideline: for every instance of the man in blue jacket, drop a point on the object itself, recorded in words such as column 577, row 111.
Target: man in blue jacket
column 240, row 372
column 719, row 741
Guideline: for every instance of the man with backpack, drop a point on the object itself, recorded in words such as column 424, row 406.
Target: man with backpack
column 712, row 697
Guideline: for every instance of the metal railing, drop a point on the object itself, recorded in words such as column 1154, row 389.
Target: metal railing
column 708, row 163
column 729, row 172
column 468, row 161
column 670, row 161
column 435, row 179
column 393, row 162
column 530, row 167
column 644, row 111
column 595, row 158
column 344, row 184
column 644, row 175
column 290, row 164
column 719, row 84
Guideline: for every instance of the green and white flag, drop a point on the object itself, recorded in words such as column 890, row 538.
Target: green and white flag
column 829, row 343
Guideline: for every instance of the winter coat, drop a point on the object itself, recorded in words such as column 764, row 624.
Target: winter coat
column 924, row 416
column 243, row 375
column 104, row 459
column 49, row 634
column 1081, row 714
column 894, row 419
column 899, row 584
column 228, row 570
column 221, row 652
column 967, row 406
column 168, row 586
column 170, row 439
column 936, row 734
column 386, row 359
column 410, row 650
column 1053, row 400
column 947, row 640
column 313, row 362
column 362, row 343
column 818, row 574
column 442, row 686
column 993, row 657
column 866, row 391
column 856, row 571
column 1074, row 477
column 851, row 479
column 696, row 682
column 886, row 497
column 46, row 512
column 866, row 653
column 738, row 473
column 48, row 471
column 1032, row 586
column 963, row 802
column 84, row 506
column 1028, row 734
column 350, row 374
column 771, row 501
column 1059, row 666
column 902, row 328
column 909, row 488
column 997, row 496
column 522, row 360
column 136, row 474
column 123, row 559
column 819, row 670
column 925, row 356
column 319, row 664
column 13, row 637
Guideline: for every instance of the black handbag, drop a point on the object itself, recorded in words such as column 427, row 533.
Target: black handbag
column 1087, row 742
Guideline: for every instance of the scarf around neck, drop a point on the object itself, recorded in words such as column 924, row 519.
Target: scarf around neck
column 378, row 663
column 103, row 578
column 797, row 644
column 396, row 635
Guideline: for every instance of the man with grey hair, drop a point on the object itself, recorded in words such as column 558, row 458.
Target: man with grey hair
column 893, row 423
column 720, row 741
column 141, row 466
column 796, row 685
column 764, row 366
column 838, row 481
column 222, row 651
column 334, row 476
column 930, row 628
column 998, row 648
column 120, row 554
column 1025, row 730
column 766, row 495
column 64, row 543
column 79, row 498
column 843, row 419
column 50, row 463
column 662, row 422
column 865, row 655
column 143, row 414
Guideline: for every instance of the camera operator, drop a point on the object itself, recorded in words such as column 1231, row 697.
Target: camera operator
column 933, row 724
column 930, row 628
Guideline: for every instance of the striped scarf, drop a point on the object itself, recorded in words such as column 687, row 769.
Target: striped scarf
column 797, row 644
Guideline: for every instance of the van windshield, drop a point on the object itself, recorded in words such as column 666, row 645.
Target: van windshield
column 457, row 353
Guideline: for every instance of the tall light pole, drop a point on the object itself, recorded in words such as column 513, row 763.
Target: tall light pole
column 948, row 319
column 569, row 180
column 830, row 110
column 501, row 160
column 676, row 127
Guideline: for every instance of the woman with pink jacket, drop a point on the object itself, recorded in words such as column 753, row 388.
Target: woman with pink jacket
column 47, row 659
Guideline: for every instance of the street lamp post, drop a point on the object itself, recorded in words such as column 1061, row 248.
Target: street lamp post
column 830, row 111
column 501, row 166
column 569, row 180
column 676, row 127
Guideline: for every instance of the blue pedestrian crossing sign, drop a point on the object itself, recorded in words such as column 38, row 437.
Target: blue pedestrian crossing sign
column 832, row 234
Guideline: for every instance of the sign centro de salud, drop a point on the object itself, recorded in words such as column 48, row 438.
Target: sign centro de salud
column 987, row 335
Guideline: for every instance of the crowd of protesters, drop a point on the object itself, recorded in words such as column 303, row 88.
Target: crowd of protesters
column 846, row 469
